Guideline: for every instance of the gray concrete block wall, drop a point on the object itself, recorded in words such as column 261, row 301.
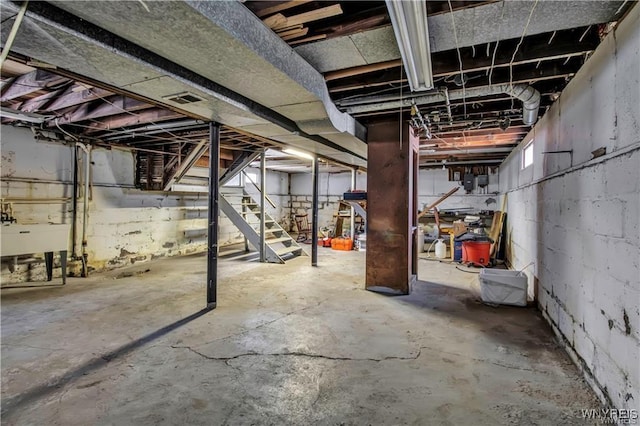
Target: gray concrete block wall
column 577, row 221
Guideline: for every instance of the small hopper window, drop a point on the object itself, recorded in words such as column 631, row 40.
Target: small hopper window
column 527, row 155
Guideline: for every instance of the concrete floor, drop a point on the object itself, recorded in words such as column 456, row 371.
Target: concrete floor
column 288, row 344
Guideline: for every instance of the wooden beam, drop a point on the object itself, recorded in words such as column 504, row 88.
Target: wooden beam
column 356, row 25
column 30, row 83
column 444, row 197
column 112, row 106
column 363, row 69
column 72, row 98
column 124, row 120
column 367, row 85
column 438, row 201
column 314, row 15
column 41, row 102
column 280, row 7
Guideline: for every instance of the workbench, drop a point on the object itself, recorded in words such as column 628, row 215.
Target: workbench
column 344, row 210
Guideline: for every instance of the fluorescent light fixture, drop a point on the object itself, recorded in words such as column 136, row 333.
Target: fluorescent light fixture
column 409, row 20
column 297, row 153
column 23, row 116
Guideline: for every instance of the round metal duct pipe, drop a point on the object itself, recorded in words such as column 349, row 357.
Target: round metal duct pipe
column 530, row 98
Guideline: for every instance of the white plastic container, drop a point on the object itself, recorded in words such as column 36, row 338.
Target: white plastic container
column 441, row 249
column 503, row 287
column 420, row 240
column 362, row 242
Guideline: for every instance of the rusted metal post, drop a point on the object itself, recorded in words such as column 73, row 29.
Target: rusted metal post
column 392, row 162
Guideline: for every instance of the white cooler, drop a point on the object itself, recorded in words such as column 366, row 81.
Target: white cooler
column 503, row 287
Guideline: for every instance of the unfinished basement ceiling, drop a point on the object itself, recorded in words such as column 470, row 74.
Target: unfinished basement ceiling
column 474, row 45
column 312, row 75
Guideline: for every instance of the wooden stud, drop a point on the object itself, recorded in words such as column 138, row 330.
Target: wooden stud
column 350, row 72
column 308, row 39
column 275, row 21
column 314, row 15
column 279, row 31
column 294, row 34
column 280, row 7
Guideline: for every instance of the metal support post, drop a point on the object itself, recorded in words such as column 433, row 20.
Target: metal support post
column 353, row 212
column 212, row 235
column 314, row 214
column 263, row 201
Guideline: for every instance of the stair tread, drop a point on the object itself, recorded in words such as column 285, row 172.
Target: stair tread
column 268, row 230
column 288, row 250
column 272, row 230
column 278, row 240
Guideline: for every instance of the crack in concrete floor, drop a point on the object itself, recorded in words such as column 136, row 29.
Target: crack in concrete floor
column 264, row 324
column 296, row 353
column 226, row 359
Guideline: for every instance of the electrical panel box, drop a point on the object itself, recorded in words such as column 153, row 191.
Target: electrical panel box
column 468, row 181
column 483, row 180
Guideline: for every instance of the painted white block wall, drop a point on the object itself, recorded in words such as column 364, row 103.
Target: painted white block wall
column 332, row 186
column 434, row 183
column 277, row 190
column 125, row 224
column 576, row 218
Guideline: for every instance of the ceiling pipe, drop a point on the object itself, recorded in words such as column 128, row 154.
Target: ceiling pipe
column 529, row 96
column 435, row 153
column 153, row 127
column 28, row 117
column 460, row 163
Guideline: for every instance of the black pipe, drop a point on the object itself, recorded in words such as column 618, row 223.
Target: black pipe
column 212, row 234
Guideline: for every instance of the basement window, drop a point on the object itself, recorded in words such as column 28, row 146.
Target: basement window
column 234, row 182
column 250, row 178
column 527, row 155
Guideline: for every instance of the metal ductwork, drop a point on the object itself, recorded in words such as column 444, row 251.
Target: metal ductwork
column 529, row 96
column 245, row 75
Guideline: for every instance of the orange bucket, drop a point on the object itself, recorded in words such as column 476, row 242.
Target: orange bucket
column 476, row 252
